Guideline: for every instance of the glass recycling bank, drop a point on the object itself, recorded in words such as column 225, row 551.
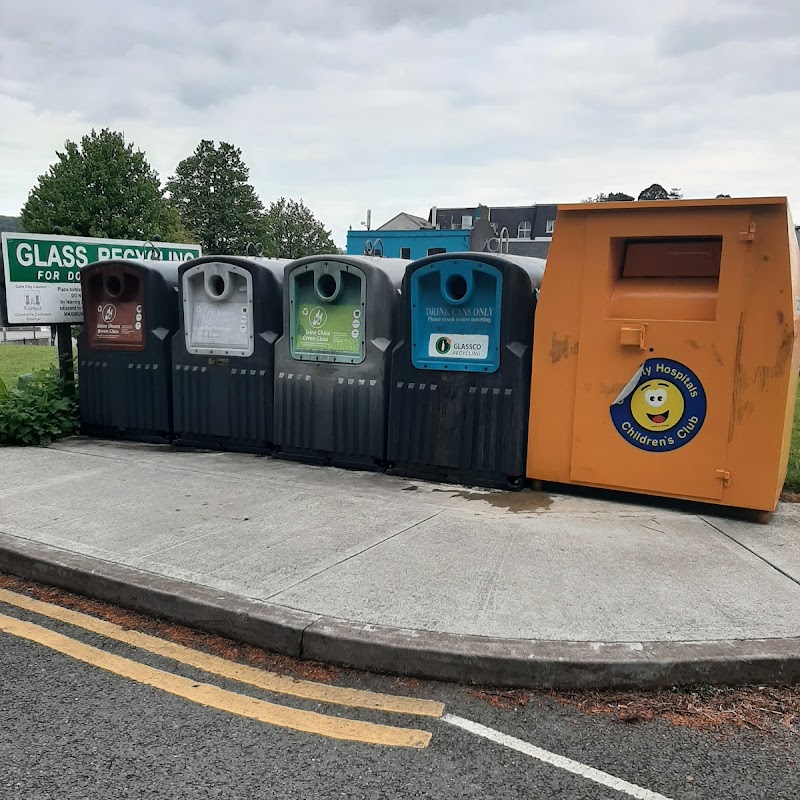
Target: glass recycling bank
column 124, row 349
column 223, row 354
column 656, row 351
column 332, row 364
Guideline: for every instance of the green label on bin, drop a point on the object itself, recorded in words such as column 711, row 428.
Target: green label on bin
column 335, row 328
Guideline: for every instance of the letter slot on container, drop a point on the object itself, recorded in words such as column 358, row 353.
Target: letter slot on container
column 333, row 360
column 124, row 350
column 223, row 353
column 666, row 350
column 461, row 372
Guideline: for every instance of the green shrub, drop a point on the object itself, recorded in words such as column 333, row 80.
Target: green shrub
column 35, row 411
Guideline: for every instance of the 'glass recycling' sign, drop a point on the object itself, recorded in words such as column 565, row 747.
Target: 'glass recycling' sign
column 42, row 271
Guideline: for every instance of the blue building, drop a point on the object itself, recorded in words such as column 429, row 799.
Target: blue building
column 524, row 230
column 406, row 244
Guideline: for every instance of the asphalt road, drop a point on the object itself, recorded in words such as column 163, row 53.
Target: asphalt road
column 69, row 729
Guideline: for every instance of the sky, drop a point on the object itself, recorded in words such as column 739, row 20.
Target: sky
column 399, row 105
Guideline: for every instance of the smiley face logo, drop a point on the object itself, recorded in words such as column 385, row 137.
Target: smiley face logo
column 657, row 405
column 661, row 408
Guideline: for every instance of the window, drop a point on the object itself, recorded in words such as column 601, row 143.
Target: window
column 432, row 251
column 466, row 221
column 405, row 252
column 524, row 230
column 551, row 223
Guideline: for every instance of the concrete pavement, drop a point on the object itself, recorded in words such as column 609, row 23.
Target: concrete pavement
column 405, row 576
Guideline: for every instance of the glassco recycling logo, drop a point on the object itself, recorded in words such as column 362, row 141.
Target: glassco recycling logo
column 662, row 408
column 443, row 345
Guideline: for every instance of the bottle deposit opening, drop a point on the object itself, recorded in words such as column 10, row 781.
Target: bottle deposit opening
column 113, row 286
column 326, row 286
column 455, row 287
column 216, row 285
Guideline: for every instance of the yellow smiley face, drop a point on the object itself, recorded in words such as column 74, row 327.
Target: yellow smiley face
column 657, row 405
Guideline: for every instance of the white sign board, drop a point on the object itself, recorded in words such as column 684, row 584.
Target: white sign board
column 42, row 271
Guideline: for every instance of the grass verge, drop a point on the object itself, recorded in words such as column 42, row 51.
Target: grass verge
column 19, row 359
column 793, row 472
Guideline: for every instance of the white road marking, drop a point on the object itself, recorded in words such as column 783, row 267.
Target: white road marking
column 575, row 767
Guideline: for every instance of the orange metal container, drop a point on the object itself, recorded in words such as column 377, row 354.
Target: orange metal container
column 667, row 350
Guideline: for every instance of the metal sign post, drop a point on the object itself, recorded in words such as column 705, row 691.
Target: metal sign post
column 65, row 362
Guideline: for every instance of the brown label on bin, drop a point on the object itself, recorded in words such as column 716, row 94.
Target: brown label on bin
column 117, row 325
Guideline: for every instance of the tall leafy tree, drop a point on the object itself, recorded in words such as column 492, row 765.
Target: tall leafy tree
column 653, row 192
column 657, row 192
column 215, row 200
column 102, row 186
column 290, row 230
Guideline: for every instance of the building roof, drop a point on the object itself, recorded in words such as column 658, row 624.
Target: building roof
column 529, row 248
column 405, row 222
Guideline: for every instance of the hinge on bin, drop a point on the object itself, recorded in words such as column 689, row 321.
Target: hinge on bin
column 724, row 476
column 749, row 234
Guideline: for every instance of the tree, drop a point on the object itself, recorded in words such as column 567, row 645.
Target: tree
column 653, row 192
column 611, row 197
column 102, row 187
column 290, row 230
column 657, row 192
column 10, row 224
column 215, row 200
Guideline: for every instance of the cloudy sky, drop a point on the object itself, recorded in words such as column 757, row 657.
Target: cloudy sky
column 397, row 105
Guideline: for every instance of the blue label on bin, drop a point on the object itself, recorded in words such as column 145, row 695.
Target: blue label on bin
column 455, row 316
column 662, row 408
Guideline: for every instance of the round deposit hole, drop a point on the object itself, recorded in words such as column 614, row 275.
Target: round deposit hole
column 113, row 286
column 456, row 287
column 216, row 285
column 326, row 286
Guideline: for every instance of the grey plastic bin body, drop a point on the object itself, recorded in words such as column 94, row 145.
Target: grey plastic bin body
column 223, row 353
column 461, row 371
column 125, row 349
column 332, row 363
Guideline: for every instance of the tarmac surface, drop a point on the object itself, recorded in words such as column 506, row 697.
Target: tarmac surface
column 406, row 576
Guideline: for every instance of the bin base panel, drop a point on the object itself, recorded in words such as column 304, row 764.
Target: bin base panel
column 190, row 441
column 455, row 476
column 126, row 434
column 327, row 458
column 694, row 504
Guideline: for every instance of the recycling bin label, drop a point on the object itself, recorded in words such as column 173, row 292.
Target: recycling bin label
column 458, row 346
column 218, row 309
column 455, row 316
column 117, row 324
column 334, row 328
column 218, row 323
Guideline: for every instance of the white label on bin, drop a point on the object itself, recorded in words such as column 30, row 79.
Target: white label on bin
column 218, row 323
column 458, row 345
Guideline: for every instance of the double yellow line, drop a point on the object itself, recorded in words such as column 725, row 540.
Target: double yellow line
column 214, row 697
